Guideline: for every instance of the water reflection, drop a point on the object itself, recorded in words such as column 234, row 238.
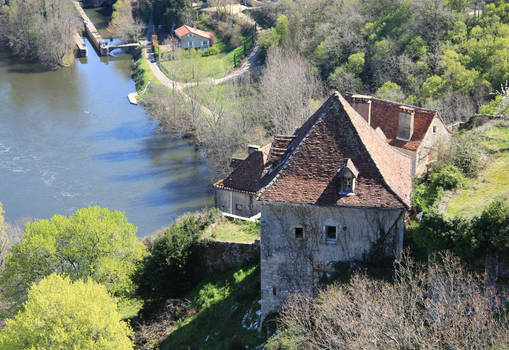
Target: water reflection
column 69, row 139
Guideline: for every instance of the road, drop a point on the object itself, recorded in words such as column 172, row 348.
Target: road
column 179, row 87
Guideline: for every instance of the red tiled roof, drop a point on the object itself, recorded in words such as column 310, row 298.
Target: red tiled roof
column 385, row 114
column 184, row 30
column 334, row 134
column 248, row 175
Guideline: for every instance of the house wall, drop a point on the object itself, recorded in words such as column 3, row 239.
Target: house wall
column 194, row 41
column 430, row 144
column 237, row 203
column 292, row 265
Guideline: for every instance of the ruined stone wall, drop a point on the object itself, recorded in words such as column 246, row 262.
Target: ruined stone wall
column 296, row 265
column 219, row 256
column 237, row 203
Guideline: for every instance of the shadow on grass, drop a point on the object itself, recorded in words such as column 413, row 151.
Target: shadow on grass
column 222, row 303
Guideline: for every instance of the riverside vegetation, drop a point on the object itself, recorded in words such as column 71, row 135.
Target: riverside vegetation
column 446, row 55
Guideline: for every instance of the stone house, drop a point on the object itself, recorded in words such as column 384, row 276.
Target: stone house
column 340, row 193
column 190, row 37
column 412, row 131
column 416, row 132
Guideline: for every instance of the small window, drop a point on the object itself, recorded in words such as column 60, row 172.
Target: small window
column 434, row 129
column 347, row 184
column 274, row 291
column 299, row 233
column 331, row 233
column 238, row 206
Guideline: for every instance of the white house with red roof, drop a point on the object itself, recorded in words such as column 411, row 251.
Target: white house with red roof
column 190, row 37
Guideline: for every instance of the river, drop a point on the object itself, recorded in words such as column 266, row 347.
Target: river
column 69, row 139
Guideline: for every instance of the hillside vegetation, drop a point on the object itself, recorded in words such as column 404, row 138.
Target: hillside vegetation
column 493, row 180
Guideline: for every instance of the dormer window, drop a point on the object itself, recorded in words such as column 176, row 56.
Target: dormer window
column 347, row 184
column 405, row 123
column 347, row 175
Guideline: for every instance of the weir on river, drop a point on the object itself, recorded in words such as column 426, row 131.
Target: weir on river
column 99, row 44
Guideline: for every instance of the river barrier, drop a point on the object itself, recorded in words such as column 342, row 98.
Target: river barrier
column 97, row 41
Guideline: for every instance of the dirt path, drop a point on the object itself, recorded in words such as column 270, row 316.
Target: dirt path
column 247, row 65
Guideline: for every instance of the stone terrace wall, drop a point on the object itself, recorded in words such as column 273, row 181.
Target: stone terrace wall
column 219, row 256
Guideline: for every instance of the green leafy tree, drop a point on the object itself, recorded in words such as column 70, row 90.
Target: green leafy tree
column 171, row 267
column 92, row 243
column 390, row 91
column 61, row 314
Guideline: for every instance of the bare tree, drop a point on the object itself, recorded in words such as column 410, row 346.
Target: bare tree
column 440, row 306
column 123, row 24
column 287, row 87
column 39, row 29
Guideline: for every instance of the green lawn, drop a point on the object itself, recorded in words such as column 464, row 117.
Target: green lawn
column 191, row 66
column 492, row 182
column 246, row 232
column 225, row 318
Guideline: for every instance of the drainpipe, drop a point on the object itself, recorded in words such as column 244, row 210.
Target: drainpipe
column 231, row 202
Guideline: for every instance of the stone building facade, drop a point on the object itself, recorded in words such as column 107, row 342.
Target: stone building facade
column 291, row 263
column 340, row 194
column 414, row 131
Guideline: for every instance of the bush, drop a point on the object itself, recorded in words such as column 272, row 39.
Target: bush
column 460, row 312
column 433, row 185
column 469, row 155
column 470, row 239
column 172, row 268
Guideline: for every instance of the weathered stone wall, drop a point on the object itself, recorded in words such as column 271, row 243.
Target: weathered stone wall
column 238, row 203
column 437, row 134
column 220, row 256
column 296, row 265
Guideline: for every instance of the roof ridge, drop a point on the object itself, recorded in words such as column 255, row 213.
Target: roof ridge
column 322, row 111
column 355, row 119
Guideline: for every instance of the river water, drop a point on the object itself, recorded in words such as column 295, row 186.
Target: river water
column 69, row 139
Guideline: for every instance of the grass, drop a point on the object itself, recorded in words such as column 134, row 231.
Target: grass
column 142, row 73
column 225, row 308
column 245, row 232
column 191, row 66
column 493, row 180
column 129, row 308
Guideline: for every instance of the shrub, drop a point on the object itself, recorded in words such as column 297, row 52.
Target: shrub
column 469, row 155
column 432, row 186
column 469, row 238
column 458, row 313
column 172, row 267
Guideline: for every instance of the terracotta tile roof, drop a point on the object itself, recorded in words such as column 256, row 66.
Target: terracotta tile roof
column 184, row 30
column 249, row 174
column 384, row 115
column 334, row 134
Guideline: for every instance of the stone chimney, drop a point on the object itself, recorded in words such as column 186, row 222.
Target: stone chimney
column 252, row 148
column 405, row 123
column 362, row 104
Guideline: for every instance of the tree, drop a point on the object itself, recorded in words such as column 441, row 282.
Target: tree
column 93, row 243
column 170, row 268
column 287, row 86
column 439, row 306
column 390, row 91
column 39, row 29
column 61, row 314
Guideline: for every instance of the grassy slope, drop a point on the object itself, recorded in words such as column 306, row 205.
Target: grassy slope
column 221, row 304
column 190, row 67
column 235, row 232
column 493, row 181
